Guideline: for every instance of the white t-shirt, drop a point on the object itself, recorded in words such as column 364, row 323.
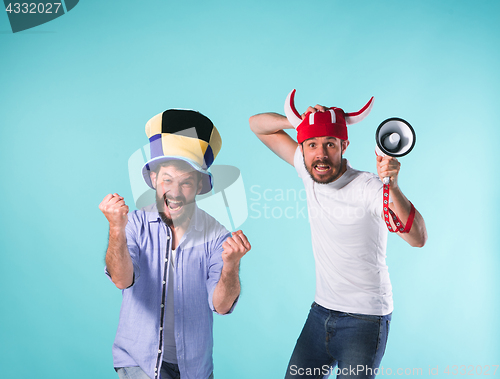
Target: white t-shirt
column 349, row 240
column 169, row 347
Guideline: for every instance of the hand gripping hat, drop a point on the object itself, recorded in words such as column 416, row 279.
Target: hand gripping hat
column 186, row 135
column 332, row 123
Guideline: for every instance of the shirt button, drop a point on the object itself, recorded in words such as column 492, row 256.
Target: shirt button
column 166, row 259
column 161, row 328
column 168, row 237
column 159, row 351
column 162, row 305
column 164, row 282
column 156, row 369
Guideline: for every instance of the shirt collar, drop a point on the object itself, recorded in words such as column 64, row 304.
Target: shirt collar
column 341, row 182
column 152, row 214
column 196, row 220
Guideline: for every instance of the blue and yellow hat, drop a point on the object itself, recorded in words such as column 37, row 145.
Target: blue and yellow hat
column 186, row 135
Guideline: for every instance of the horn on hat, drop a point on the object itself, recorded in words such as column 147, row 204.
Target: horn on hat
column 354, row 117
column 291, row 113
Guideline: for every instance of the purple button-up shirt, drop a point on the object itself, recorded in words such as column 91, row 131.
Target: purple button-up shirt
column 198, row 265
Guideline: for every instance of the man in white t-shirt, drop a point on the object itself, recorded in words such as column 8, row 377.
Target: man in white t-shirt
column 347, row 327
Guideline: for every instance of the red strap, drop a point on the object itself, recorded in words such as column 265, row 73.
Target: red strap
column 399, row 224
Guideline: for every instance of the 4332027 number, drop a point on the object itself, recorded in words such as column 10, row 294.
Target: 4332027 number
column 34, row 8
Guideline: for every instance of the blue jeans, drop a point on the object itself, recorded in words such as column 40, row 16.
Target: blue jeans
column 167, row 371
column 354, row 343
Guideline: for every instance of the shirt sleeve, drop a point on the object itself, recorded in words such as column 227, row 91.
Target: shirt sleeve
column 215, row 269
column 374, row 195
column 298, row 163
column 131, row 232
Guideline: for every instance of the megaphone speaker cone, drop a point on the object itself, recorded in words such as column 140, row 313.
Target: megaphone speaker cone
column 391, row 141
column 395, row 137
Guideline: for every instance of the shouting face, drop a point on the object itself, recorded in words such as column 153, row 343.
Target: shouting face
column 323, row 158
column 176, row 189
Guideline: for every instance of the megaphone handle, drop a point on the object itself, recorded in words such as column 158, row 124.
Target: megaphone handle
column 399, row 224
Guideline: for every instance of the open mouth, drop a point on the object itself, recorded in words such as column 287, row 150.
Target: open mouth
column 174, row 205
column 322, row 168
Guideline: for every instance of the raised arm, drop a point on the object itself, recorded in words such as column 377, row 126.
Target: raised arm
column 269, row 128
column 389, row 167
column 118, row 261
column 228, row 288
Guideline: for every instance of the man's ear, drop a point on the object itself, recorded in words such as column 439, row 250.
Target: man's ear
column 200, row 184
column 152, row 176
column 345, row 143
column 300, row 147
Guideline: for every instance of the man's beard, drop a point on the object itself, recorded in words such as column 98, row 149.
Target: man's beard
column 161, row 203
column 336, row 174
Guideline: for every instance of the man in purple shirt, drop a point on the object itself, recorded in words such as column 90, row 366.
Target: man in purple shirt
column 174, row 263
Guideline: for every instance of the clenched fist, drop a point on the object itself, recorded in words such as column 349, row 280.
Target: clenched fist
column 388, row 167
column 235, row 247
column 116, row 211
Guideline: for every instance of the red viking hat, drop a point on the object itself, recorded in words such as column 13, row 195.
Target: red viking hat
column 332, row 123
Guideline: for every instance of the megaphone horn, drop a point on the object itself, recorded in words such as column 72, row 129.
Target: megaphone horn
column 394, row 137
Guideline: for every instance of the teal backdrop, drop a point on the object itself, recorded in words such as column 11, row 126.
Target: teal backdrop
column 75, row 94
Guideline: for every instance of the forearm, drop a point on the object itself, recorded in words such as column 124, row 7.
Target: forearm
column 417, row 236
column 270, row 129
column 227, row 290
column 118, row 261
column 268, row 123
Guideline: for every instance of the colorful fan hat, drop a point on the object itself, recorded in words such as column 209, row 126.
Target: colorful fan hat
column 182, row 134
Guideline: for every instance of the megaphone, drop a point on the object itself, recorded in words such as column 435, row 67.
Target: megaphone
column 395, row 137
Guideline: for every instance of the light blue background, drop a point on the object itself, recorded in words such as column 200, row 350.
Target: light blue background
column 76, row 93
